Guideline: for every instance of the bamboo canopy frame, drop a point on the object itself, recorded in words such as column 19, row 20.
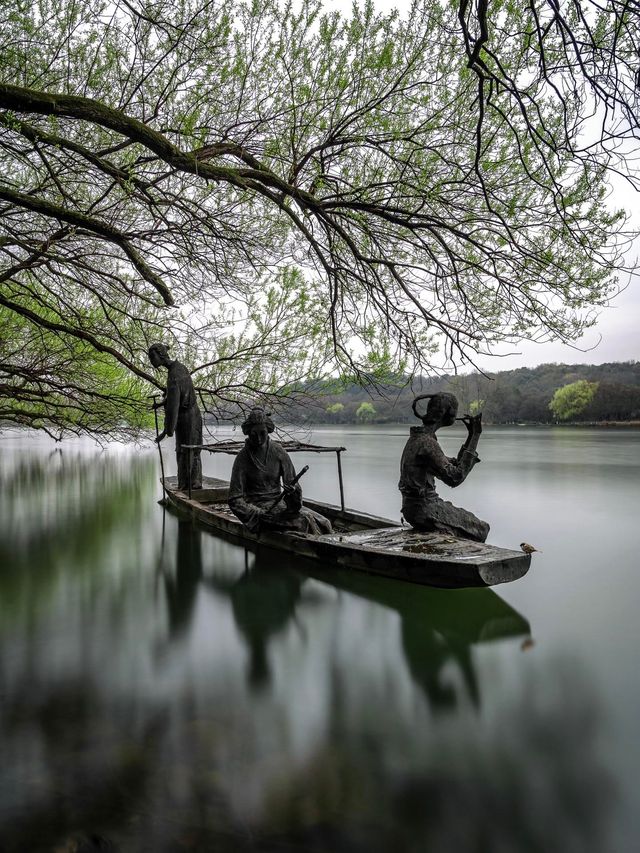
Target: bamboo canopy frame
column 291, row 446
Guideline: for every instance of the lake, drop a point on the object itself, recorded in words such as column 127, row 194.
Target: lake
column 168, row 691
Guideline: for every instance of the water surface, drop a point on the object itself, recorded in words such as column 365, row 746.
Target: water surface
column 169, row 691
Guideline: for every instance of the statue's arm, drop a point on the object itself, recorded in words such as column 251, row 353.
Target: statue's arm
column 452, row 472
column 469, row 447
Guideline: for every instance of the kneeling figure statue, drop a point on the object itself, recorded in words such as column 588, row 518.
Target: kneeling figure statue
column 255, row 487
column 423, row 461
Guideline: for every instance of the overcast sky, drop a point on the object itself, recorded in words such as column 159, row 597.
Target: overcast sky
column 615, row 337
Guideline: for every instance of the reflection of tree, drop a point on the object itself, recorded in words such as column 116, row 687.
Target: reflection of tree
column 52, row 508
column 60, row 512
column 372, row 783
column 531, row 781
column 85, row 777
column 263, row 601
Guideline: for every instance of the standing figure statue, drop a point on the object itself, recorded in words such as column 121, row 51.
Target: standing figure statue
column 181, row 416
column 423, row 461
column 258, row 471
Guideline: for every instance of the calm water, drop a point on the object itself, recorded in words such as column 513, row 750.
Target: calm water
column 168, row 691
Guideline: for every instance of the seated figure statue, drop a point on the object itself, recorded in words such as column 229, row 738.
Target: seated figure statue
column 423, row 461
column 261, row 471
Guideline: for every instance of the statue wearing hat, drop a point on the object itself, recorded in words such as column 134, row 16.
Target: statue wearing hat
column 181, row 415
column 261, row 471
column 424, row 462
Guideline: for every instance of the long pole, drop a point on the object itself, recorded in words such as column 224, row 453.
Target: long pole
column 164, row 488
column 338, row 452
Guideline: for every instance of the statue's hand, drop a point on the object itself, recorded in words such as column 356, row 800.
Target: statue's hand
column 467, row 420
column 293, row 497
column 162, row 435
column 473, row 424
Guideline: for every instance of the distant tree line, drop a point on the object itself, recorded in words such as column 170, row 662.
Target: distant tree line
column 549, row 393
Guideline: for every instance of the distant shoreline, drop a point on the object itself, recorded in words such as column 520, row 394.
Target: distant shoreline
column 600, row 424
column 635, row 424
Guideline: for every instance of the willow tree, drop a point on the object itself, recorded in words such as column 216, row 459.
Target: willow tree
column 279, row 191
column 571, row 401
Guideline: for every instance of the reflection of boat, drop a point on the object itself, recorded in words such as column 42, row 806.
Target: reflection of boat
column 438, row 627
column 364, row 542
column 467, row 617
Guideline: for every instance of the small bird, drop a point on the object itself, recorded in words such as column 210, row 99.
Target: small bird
column 528, row 549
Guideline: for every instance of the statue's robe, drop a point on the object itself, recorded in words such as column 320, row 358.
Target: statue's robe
column 256, row 484
column 423, row 461
column 182, row 417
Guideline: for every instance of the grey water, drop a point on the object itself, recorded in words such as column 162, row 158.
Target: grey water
column 167, row 690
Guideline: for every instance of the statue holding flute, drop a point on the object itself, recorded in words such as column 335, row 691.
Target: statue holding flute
column 424, row 462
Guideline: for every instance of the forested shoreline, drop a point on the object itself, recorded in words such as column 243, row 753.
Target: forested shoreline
column 547, row 394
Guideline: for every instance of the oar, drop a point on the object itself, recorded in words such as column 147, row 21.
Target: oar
column 164, row 490
column 292, row 483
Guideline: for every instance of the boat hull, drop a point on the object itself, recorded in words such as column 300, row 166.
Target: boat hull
column 363, row 542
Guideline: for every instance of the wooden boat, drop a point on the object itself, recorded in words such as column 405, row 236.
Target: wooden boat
column 359, row 541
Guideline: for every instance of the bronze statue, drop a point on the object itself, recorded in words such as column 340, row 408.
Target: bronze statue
column 181, row 415
column 255, row 487
column 423, row 461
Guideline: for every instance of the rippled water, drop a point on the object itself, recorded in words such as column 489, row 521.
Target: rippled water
column 166, row 690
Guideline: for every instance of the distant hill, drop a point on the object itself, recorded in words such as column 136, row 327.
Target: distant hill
column 511, row 396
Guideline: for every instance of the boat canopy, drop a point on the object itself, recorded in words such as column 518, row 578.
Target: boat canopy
column 291, row 446
column 234, row 447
